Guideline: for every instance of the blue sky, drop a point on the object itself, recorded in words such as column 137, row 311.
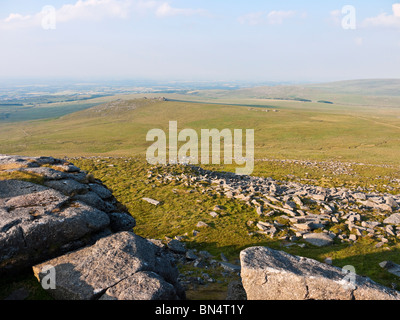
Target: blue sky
column 199, row 40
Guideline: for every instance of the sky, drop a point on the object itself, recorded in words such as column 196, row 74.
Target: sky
column 200, row 40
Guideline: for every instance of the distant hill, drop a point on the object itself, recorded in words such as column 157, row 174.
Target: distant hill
column 370, row 87
column 378, row 92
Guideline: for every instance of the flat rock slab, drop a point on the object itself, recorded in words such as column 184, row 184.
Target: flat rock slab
column 91, row 198
column 393, row 219
column 67, row 186
column 14, row 188
column 151, row 201
column 110, row 267
column 100, row 190
column 29, row 236
column 143, row 285
column 269, row 274
column 318, row 239
column 391, row 267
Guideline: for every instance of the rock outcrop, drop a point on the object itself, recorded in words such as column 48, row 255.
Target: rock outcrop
column 269, row 274
column 53, row 214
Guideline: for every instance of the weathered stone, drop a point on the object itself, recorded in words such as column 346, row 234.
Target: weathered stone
column 191, row 255
column 151, row 201
column 229, row 266
column 143, row 285
column 201, row 224
column 15, row 188
column 87, row 273
column 121, row 221
column 47, row 173
column 318, row 239
column 393, row 219
column 385, row 207
column 264, row 226
column 218, row 207
column 67, row 186
column 236, row 291
column 34, row 239
column 303, row 226
column 47, row 199
column 94, row 200
column 177, row 246
column 213, row 214
column 69, row 167
column 391, row 202
column 269, row 274
column 391, row 267
column 100, row 190
column 353, row 237
column 359, row 196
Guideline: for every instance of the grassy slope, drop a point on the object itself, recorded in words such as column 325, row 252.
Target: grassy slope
column 297, row 131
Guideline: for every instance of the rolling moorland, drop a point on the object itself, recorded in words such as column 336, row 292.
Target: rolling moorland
column 341, row 135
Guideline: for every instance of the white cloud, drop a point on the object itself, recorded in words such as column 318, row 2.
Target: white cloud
column 384, row 19
column 277, row 17
column 165, row 10
column 252, row 18
column 93, row 10
column 272, row 17
column 16, row 17
column 97, row 10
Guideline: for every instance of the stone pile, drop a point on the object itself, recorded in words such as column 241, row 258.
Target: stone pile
column 315, row 214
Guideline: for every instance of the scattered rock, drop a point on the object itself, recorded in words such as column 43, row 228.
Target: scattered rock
column 230, row 267
column 201, row 224
column 391, row 267
column 213, row 214
column 176, row 246
column 393, row 219
column 152, row 201
column 318, row 239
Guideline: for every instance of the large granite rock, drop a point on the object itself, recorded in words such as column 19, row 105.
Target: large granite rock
column 120, row 266
column 269, row 274
column 40, row 221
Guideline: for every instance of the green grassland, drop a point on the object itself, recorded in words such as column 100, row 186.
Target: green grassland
column 299, row 130
column 359, row 131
